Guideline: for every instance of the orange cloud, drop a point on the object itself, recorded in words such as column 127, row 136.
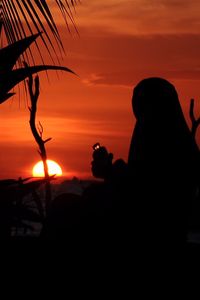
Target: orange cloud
column 140, row 16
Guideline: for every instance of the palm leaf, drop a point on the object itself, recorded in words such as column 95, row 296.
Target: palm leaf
column 8, row 57
column 10, row 54
column 9, row 80
column 35, row 16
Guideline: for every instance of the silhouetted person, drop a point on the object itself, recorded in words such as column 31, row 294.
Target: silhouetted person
column 163, row 162
column 155, row 195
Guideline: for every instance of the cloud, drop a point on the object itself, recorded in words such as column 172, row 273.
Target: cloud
column 141, row 16
column 118, row 59
column 130, row 78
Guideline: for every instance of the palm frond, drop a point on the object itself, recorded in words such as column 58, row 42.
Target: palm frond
column 20, row 18
column 10, row 54
column 9, row 78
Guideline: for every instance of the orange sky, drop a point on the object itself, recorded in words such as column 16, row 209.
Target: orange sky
column 120, row 43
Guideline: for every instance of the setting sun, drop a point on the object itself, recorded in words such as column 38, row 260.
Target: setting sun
column 53, row 167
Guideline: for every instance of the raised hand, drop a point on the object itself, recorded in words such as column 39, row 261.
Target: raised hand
column 102, row 162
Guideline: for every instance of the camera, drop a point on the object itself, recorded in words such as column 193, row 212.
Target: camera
column 100, row 152
column 96, row 146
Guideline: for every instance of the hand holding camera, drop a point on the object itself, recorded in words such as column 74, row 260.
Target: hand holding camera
column 102, row 162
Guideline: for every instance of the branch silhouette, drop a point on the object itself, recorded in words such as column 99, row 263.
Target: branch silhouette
column 195, row 122
column 34, row 91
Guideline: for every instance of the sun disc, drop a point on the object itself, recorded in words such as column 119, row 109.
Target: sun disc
column 53, row 169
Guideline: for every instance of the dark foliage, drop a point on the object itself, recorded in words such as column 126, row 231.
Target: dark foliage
column 9, row 78
column 35, row 16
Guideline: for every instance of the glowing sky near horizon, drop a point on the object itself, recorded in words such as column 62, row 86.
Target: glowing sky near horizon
column 120, row 43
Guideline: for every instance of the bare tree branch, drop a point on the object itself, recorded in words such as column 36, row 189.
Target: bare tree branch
column 34, row 91
column 195, row 122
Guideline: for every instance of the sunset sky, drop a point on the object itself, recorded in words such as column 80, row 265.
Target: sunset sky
column 120, row 43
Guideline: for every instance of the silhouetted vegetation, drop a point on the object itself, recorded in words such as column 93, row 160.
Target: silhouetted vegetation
column 14, row 208
column 20, row 207
column 18, row 19
column 195, row 122
column 37, row 133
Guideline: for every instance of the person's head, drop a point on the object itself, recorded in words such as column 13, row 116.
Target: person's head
column 155, row 100
column 161, row 130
